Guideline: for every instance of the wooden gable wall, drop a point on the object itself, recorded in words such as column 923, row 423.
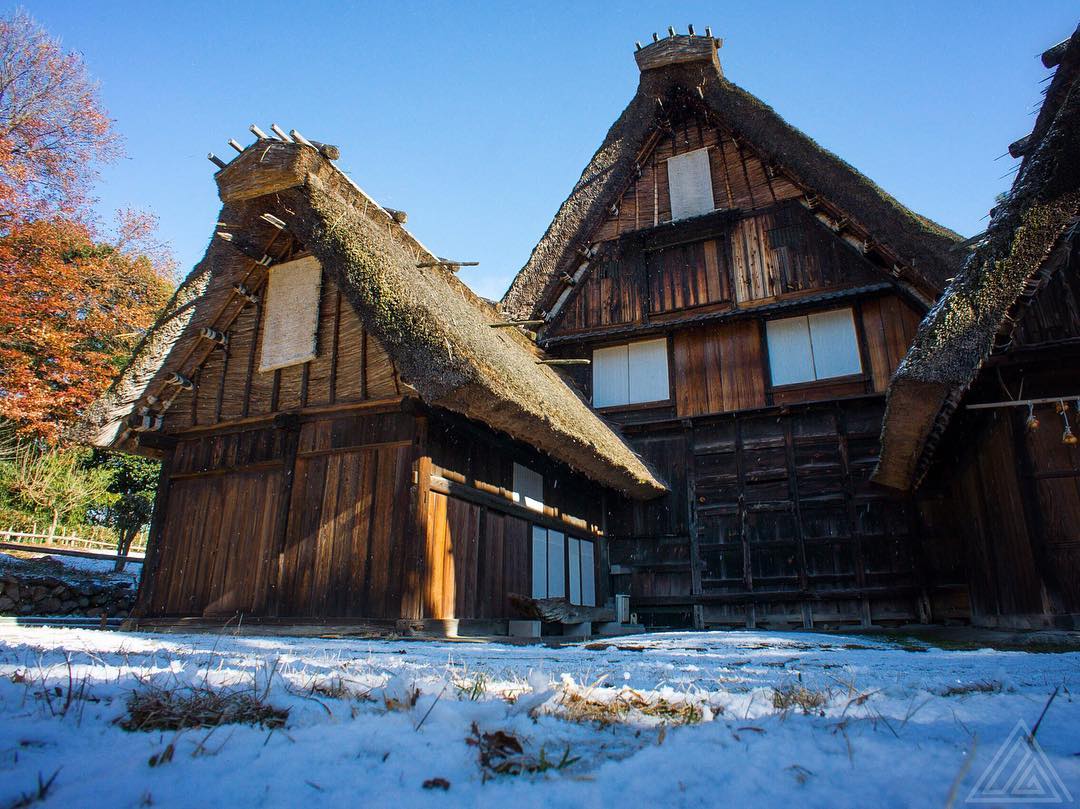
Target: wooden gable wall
column 351, row 366
column 718, row 263
column 739, row 180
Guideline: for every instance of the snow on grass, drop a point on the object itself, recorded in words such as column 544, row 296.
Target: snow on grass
column 673, row 719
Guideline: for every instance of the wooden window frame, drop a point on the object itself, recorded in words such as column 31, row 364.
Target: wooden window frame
column 629, row 406
column 566, row 537
column 817, row 383
column 859, row 343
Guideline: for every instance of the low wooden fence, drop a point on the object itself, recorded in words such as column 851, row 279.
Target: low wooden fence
column 68, row 545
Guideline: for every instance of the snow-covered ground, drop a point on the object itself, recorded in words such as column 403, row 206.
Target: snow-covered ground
column 898, row 725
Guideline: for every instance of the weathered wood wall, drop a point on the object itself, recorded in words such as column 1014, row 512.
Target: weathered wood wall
column 351, row 366
column 739, row 179
column 1003, row 509
column 477, row 557
column 1001, row 503
column 347, row 550
column 772, row 521
column 720, row 264
column 304, row 520
column 477, row 530
column 317, row 517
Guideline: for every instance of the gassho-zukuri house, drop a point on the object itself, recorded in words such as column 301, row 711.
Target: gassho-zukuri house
column 730, row 388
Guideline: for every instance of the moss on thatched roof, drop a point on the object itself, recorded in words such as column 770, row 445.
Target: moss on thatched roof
column 983, row 304
column 431, row 324
column 927, row 246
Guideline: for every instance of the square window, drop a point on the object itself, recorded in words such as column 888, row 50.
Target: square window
column 633, row 373
column 823, row 345
column 528, row 487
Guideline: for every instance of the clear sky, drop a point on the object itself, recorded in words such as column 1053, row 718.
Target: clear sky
column 477, row 118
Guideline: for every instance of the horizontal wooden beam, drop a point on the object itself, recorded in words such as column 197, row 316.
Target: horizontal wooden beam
column 62, row 551
column 446, row 262
column 372, row 406
column 1074, row 397
column 262, row 466
column 511, row 323
column 464, row 491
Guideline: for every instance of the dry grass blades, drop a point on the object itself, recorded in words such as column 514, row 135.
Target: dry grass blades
column 981, row 687
column 578, row 707
column 198, row 707
column 791, row 696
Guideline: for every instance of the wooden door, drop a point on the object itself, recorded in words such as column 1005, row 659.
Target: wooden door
column 215, row 551
column 343, row 554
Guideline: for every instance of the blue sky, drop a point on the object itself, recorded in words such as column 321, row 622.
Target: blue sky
column 477, row 118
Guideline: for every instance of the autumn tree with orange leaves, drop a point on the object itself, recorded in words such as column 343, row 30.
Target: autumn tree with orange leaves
column 71, row 301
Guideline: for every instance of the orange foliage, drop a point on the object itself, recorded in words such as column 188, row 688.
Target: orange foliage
column 69, row 308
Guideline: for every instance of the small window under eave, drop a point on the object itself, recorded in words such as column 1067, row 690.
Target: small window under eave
column 528, row 488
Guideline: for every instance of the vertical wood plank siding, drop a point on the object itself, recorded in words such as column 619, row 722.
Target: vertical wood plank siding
column 344, row 551
column 739, row 180
column 889, row 325
column 351, row 366
column 349, row 548
column 716, row 263
column 781, row 510
column 718, row 368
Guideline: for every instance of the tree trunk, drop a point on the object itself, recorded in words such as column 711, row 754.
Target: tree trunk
column 123, row 545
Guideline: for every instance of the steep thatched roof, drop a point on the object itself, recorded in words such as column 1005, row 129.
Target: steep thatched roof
column 431, row 324
column 684, row 64
column 1029, row 235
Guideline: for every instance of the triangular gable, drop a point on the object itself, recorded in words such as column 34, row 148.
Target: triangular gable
column 350, row 366
column 677, row 86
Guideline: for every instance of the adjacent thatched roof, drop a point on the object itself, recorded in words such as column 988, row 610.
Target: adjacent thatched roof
column 1029, row 231
column 431, row 324
column 668, row 68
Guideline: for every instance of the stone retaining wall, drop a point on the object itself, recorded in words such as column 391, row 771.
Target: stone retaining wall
column 24, row 595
